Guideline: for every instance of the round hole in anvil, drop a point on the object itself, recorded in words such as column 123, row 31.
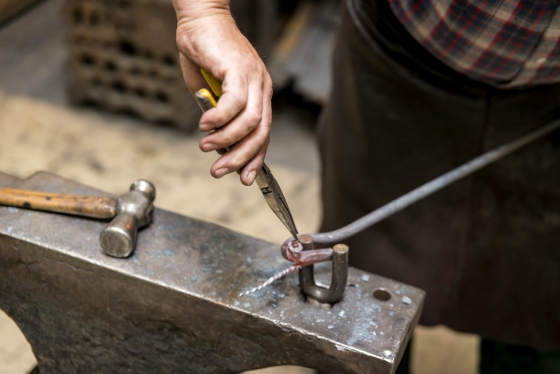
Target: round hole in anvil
column 382, row 295
column 140, row 92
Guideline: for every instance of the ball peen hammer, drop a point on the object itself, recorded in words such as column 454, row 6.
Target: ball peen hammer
column 130, row 211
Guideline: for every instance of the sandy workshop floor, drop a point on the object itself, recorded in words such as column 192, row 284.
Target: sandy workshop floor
column 39, row 132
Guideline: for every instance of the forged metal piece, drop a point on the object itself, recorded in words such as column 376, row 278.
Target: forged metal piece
column 173, row 306
column 270, row 280
column 434, row 185
column 339, row 278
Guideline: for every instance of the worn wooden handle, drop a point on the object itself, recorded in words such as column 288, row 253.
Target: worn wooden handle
column 87, row 206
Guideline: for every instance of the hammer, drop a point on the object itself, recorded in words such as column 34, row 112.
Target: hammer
column 130, row 211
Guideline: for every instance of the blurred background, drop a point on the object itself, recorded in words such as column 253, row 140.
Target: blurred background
column 91, row 90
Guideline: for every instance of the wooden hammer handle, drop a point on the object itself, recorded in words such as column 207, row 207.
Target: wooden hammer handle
column 87, row 206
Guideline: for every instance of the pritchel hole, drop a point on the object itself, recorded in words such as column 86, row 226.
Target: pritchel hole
column 152, row 74
column 119, row 87
column 78, row 16
column 128, row 48
column 110, row 66
column 140, row 92
column 162, row 98
column 149, row 55
column 87, row 60
column 382, row 295
column 169, row 61
column 94, row 19
column 135, row 71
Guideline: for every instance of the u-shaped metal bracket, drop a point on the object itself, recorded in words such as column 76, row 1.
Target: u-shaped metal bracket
column 334, row 293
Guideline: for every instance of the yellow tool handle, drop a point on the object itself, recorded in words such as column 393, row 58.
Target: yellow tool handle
column 205, row 99
column 212, row 82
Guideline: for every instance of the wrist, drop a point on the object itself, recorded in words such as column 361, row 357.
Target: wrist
column 193, row 10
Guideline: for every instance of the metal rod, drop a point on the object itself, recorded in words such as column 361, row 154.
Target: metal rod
column 429, row 188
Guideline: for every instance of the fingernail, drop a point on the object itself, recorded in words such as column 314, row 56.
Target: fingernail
column 205, row 127
column 221, row 172
column 251, row 177
column 209, row 147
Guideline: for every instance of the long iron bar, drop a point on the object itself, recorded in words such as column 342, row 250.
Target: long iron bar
column 387, row 210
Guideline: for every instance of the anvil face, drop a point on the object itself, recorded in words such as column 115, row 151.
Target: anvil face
column 173, row 306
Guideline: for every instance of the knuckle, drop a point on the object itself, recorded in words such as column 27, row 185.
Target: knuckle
column 267, row 81
column 238, row 102
column 225, row 139
column 182, row 41
column 254, row 119
column 267, row 120
column 240, row 159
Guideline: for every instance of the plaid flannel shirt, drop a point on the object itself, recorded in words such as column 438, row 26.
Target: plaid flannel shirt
column 506, row 43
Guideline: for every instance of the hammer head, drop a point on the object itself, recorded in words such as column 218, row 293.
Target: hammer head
column 134, row 210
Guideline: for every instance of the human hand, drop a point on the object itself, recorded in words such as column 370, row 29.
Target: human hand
column 208, row 38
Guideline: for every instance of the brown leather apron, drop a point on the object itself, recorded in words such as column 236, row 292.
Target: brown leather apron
column 486, row 249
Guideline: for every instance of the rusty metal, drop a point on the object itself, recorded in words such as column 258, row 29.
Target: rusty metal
column 173, row 306
column 339, row 274
column 434, row 185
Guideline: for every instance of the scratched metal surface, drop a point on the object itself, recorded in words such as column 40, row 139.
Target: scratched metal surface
column 173, row 306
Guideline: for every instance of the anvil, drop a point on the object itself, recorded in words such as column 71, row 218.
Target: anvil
column 173, row 307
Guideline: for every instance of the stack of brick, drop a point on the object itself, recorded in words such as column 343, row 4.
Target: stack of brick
column 123, row 57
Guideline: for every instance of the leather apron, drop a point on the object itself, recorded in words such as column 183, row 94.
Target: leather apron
column 486, row 249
